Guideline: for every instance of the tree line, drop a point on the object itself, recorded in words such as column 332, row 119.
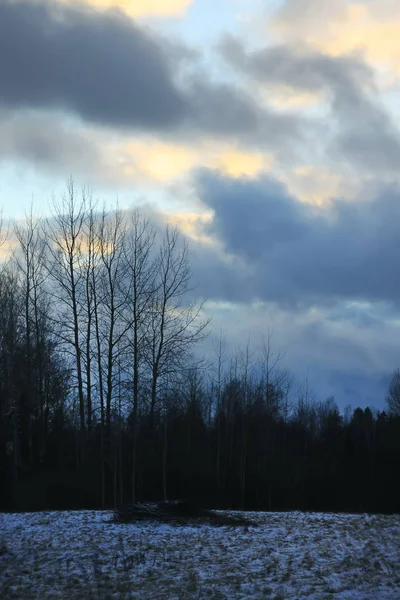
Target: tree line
column 104, row 399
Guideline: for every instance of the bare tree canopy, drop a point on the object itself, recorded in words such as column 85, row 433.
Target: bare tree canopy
column 393, row 395
column 106, row 400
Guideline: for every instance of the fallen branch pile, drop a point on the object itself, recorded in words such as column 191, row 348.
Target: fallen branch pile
column 178, row 512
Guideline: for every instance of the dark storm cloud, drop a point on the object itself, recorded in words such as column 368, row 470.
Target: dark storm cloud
column 99, row 64
column 299, row 255
column 365, row 132
column 108, row 70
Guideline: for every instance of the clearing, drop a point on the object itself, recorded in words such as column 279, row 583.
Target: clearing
column 78, row 555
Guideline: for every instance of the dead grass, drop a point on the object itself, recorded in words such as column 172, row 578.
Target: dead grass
column 288, row 556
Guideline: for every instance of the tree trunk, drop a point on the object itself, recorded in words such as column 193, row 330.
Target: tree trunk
column 164, row 460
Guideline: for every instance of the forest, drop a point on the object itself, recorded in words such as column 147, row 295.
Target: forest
column 106, row 400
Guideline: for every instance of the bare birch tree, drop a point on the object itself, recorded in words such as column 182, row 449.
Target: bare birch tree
column 176, row 323
column 30, row 260
column 393, row 395
column 140, row 282
column 64, row 233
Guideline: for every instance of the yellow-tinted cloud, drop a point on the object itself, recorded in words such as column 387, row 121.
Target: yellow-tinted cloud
column 284, row 97
column 191, row 224
column 147, row 160
column 372, row 28
column 317, row 185
column 162, row 162
column 140, row 8
column 158, row 161
column 8, row 245
column 236, row 163
column 96, row 154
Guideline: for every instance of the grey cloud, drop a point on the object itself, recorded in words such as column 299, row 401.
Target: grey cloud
column 228, row 111
column 108, row 70
column 357, row 316
column 352, row 387
column 298, row 67
column 218, row 278
column 298, row 255
column 310, row 13
column 340, row 365
column 365, row 132
column 47, row 143
column 373, row 147
column 99, row 64
column 346, row 350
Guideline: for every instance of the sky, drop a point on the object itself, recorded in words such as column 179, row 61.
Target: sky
column 267, row 131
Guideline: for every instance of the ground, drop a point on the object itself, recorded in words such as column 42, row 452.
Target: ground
column 78, row 555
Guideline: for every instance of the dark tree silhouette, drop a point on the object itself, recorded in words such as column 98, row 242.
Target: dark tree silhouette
column 103, row 403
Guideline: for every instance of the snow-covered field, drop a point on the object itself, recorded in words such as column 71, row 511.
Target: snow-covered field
column 289, row 555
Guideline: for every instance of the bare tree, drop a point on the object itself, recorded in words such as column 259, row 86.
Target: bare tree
column 109, row 303
column 4, row 231
column 64, row 233
column 393, row 395
column 89, row 267
column 246, row 368
column 11, row 308
column 175, row 321
column 94, row 285
column 114, row 298
column 141, row 286
column 220, row 379
column 273, row 377
column 30, row 259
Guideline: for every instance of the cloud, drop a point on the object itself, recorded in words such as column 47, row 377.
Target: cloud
column 320, row 184
column 298, row 67
column 361, row 130
column 309, row 15
column 139, row 8
column 105, row 69
column 285, row 97
column 190, row 224
column 352, row 363
column 161, row 161
column 344, row 82
column 341, row 27
column 101, row 66
column 155, row 160
column 49, row 143
column 52, row 143
column 227, row 112
column 237, row 163
column 301, row 255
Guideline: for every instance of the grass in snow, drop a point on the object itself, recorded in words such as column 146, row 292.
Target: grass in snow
column 78, row 555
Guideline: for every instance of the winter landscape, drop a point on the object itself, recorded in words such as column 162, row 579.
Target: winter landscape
column 286, row 556
column 199, row 299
